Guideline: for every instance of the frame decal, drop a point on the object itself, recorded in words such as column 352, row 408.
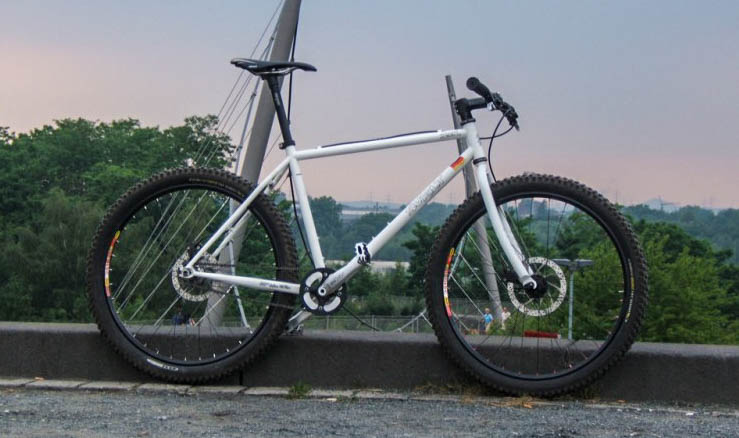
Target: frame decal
column 445, row 285
column 457, row 164
column 107, row 262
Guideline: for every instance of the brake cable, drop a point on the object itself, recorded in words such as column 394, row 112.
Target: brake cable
column 490, row 145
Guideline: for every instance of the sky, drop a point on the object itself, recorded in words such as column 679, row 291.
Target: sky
column 636, row 99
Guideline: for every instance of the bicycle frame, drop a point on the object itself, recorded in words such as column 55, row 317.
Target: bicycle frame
column 473, row 154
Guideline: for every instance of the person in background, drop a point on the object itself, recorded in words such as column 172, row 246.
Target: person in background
column 488, row 320
column 506, row 315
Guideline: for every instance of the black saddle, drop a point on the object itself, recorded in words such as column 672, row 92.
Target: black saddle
column 262, row 68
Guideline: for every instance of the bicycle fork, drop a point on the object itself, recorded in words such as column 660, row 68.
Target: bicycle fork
column 496, row 215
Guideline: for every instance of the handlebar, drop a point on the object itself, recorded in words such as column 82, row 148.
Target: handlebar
column 474, row 84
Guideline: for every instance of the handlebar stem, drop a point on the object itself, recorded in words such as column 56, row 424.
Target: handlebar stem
column 465, row 107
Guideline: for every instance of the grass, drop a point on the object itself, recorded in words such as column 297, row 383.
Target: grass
column 298, row 391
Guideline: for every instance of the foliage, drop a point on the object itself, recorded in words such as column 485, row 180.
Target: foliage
column 721, row 228
column 43, row 261
column 693, row 293
column 56, row 182
column 425, row 235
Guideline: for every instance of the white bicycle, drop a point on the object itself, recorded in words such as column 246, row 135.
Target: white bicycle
column 193, row 273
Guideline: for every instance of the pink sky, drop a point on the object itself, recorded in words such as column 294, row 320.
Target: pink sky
column 620, row 96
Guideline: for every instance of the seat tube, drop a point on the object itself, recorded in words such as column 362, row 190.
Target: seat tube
column 307, row 217
column 274, row 87
column 504, row 238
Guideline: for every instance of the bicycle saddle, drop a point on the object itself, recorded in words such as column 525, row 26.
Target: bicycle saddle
column 260, row 68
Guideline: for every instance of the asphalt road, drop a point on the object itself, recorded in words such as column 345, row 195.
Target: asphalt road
column 38, row 413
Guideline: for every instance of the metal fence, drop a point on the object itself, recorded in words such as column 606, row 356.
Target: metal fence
column 407, row 324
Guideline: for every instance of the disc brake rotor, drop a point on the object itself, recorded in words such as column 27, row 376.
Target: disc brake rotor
column 193, row 289
column 534, row 305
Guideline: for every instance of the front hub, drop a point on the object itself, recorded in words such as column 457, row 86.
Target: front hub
column 541, row 287
column 549, row 293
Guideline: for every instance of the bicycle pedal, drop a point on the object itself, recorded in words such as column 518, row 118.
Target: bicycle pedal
column 363, row 255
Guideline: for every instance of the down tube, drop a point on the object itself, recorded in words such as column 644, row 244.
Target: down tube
column 387, row 233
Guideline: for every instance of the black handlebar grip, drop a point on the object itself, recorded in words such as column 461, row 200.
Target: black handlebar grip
column 474, row 84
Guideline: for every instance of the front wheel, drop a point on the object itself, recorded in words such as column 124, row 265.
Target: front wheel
column 189, row 330
column 555, row 338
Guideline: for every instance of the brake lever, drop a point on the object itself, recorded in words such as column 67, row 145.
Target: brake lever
column 506, row 108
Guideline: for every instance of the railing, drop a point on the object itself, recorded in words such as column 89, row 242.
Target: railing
column 405, row 324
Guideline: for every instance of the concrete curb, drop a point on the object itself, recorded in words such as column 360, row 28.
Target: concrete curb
column 656, row 372
column 337, row 395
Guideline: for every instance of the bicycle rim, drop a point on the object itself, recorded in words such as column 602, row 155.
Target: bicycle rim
column 179, row 321
column 546, row 334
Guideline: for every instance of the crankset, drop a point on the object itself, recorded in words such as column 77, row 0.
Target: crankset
column 314, row 297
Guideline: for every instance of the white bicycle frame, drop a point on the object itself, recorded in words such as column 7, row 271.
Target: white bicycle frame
column 473, row 154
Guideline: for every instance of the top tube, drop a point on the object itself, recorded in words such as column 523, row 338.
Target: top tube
column 382, row 143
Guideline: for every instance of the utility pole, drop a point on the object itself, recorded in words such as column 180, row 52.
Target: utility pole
column 251, row 165
column 573, row 266
column 482, row 237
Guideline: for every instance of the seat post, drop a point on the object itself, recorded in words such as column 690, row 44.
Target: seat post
column 274, row 86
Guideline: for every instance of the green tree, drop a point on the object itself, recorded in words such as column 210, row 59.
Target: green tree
column 686, row 300
column 327, row 218
column 689, row 299
column 45, row 261
column 425, row 235
column 55, row 183
column 721, row 228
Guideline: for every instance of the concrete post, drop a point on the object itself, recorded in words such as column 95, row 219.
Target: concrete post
column 251, row 165
column 470, row 188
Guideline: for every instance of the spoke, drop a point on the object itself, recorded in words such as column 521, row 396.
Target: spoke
column 210, row 309
column 482, row 283
column 521, row 241
column 465, row 294
column 161, row 317
column 147, row 246
column 559, row 222
column 497, row 252
column 168, row 271
column 503, row 261
column 234, row 287
column 151, row 265
column 549, row 210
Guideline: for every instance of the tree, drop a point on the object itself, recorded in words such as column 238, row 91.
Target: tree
column 45, row 261
column 425, row 235
column 721, row 229
column 327, row 218
column 689, row 299
column 55, row 183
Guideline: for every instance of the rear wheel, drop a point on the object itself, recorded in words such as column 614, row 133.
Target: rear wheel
column 550, row 340
column 179, row 329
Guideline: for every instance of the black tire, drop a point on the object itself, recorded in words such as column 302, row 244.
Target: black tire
column 534, row 351
column 167, row 326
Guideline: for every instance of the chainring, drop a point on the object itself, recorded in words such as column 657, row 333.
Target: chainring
column 311, row 297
